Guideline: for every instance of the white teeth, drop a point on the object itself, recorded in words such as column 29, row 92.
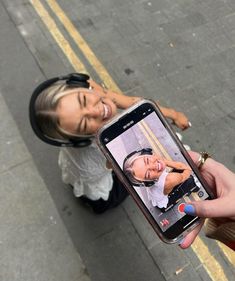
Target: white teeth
column 158, row 166
column 106, row 111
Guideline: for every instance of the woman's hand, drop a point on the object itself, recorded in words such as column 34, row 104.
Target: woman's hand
column 181, row 121
column 221, row 182
column 178, row 118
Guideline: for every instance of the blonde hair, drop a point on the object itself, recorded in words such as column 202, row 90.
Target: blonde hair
column 128, row 167
column 45, row 110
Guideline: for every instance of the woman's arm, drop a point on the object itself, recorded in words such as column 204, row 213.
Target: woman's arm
column 171, row 182
column 124, row 102
column 177, row 165
column 174, row 179
column 178, row 118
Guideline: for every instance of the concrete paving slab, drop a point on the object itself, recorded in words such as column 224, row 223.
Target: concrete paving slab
column 34, row 242
column 121, row 242
column 144, row 229
column 170, row 258
column 12, row 149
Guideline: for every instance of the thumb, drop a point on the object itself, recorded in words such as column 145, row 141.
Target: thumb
column 108, row 165
column 220, row 207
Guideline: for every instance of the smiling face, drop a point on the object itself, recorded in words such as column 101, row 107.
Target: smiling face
column 147, row 167
column 83, row 112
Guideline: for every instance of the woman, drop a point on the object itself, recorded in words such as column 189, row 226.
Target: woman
column 67, row 111
column 166, row 180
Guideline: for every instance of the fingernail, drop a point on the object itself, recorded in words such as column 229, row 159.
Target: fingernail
column 189, row 124
column 181, row 241
column 190, row 210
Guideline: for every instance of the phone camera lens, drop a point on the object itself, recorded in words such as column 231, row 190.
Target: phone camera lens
column 200, row 194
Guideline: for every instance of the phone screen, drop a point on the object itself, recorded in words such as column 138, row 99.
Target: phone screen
column 152, row 161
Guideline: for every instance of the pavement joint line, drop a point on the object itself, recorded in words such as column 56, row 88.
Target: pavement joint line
column 75, row 62
column 15, row 166
column 142, row 240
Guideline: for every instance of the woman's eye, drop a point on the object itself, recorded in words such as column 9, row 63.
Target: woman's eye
column 84, row 101
column 145, row 161
column 147, row 175
column 79, row 99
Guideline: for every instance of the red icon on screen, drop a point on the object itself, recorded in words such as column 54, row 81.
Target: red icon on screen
column 164, row 222
column 181, row 207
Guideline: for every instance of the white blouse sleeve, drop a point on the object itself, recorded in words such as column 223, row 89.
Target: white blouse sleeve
column 85, row 169
column 156, row 192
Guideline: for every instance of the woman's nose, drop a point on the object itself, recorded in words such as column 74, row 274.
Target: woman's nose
column 152, row 166
column 93, row 111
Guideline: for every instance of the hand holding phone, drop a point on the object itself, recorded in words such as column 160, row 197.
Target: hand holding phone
column 155, row 168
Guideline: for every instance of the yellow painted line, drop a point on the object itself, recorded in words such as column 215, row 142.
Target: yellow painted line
column 199, row 247
column 58, row 36
column 159, row 145
column 153, row 145
column 210, row 264
column 229, row 253
column 83, row 46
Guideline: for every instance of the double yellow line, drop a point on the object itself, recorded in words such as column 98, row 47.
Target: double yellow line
column 211, row 265
column 152, row 139
column 199, row 247
column 78, row 39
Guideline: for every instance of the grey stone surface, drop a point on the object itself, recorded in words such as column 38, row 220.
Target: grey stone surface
column 186, row 273
column 203, row 274
column 121, row 242
column 144, row 229
column 170, row 258
column 34, row 243
column 12, row 149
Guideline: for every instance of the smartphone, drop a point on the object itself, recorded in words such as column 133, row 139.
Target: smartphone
column 148, row 157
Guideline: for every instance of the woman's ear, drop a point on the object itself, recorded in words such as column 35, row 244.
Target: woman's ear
column 97, row 88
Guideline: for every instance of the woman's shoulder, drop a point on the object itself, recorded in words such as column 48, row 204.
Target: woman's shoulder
column 88, row 153
column 78, row 150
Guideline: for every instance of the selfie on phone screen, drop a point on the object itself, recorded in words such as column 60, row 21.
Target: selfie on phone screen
column 160, row 175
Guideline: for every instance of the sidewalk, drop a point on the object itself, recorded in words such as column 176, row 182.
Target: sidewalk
column 35, row 245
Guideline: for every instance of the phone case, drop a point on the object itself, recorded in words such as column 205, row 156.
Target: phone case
column 118, row 119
